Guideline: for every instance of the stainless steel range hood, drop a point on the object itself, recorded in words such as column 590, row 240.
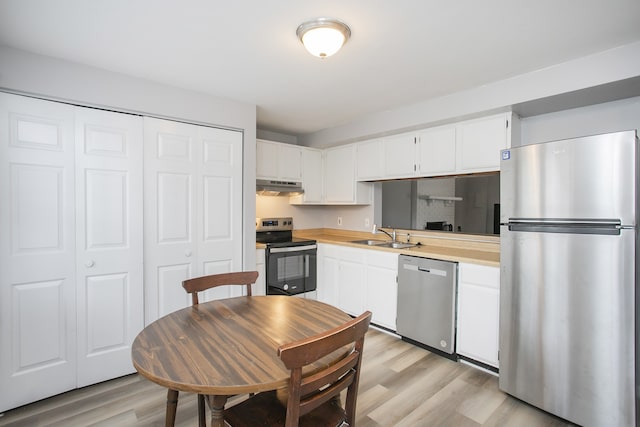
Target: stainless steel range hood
column 267, row 187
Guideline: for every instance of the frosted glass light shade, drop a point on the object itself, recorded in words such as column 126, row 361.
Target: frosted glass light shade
column 323, row 37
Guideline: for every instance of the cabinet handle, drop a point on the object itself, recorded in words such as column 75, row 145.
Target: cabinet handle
column 89, row 263
column 187, row 253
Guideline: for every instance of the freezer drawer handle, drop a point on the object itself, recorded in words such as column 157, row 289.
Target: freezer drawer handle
column 609, row 227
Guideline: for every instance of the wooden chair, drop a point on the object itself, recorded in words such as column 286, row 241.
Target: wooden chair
column 193, row 286
column 199, row 284
column 313, row 400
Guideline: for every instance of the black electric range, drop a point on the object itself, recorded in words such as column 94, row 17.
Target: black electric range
column 290, row 263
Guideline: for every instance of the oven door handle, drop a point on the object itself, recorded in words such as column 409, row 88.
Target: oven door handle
column 292, row 249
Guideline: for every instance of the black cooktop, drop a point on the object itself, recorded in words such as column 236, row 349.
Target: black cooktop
column 277, row 233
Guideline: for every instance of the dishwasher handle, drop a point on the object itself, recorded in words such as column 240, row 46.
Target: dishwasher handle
column 435, row 271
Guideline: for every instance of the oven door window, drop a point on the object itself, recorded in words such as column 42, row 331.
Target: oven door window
column 293, row 267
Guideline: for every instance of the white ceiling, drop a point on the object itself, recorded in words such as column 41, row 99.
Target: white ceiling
column 401, row 52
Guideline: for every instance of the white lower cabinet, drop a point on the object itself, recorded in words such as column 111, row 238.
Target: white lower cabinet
column 356, row 280
column 260, row 287
column 351, row 280
column 382, row 287
column 478, row 313
column 327, row 280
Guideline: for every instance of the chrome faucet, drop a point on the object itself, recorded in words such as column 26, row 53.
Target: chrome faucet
column 376, row 230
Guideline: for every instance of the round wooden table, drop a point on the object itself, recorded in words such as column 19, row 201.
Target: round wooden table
column 227, row 347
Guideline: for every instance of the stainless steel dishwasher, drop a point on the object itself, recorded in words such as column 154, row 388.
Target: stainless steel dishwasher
column 427, row 303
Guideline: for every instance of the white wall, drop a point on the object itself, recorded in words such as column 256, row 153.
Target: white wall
column 353, row 217
column 276, row 136
column 598, row 69
column 592, row 120
column 50, row 78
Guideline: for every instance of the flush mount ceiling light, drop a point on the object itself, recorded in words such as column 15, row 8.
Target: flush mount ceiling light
column 323, row 37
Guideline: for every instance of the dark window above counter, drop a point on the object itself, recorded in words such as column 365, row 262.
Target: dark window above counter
column 465, row 204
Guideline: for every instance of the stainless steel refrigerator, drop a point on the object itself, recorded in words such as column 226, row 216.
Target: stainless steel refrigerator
column 569, row 250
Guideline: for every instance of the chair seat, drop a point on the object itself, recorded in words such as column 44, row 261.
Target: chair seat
column 265, row 409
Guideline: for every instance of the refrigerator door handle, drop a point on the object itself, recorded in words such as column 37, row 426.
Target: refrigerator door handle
column 609, row 227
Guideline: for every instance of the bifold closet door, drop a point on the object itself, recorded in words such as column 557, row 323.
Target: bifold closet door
column 193, row 210
column 110, row 309
column 37, row 250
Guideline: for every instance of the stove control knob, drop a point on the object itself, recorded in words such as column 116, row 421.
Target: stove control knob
column 285, row 287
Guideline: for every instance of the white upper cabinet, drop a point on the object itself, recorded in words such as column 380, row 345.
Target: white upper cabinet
column 479, row 143
column 369, row 160
column 278, row 161
column 436, row 151
column 400, row 156
column 340, row 178
column 340, row 174
column 461, row 148
column 312, row 178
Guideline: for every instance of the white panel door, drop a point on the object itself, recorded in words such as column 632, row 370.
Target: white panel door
column 37, row 263
column 219, row 206
column 193, row 210
column 170, row 217
column 108, row 242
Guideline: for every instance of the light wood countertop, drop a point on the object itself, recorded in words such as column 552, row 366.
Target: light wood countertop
column 483, row 250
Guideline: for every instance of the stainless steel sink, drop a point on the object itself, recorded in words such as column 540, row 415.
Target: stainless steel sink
column 369, row 242
column 384, row 244
column 397, row 245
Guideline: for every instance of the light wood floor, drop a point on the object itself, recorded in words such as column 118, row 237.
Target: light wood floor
column 400, row 385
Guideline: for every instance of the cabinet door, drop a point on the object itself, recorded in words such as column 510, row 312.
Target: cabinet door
column 400, row 156
column 37, row 250
column 478, row 313
column 170, row 214
column 479, row 143
column 381, row 287
column 369, row 160
column 340, row 174
column 266, row 160
column 311, row 177
column 437, row 151
column 327, row 286
column 260, row 287
column 351, row 274
column 108, row 242
column 289, row 162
